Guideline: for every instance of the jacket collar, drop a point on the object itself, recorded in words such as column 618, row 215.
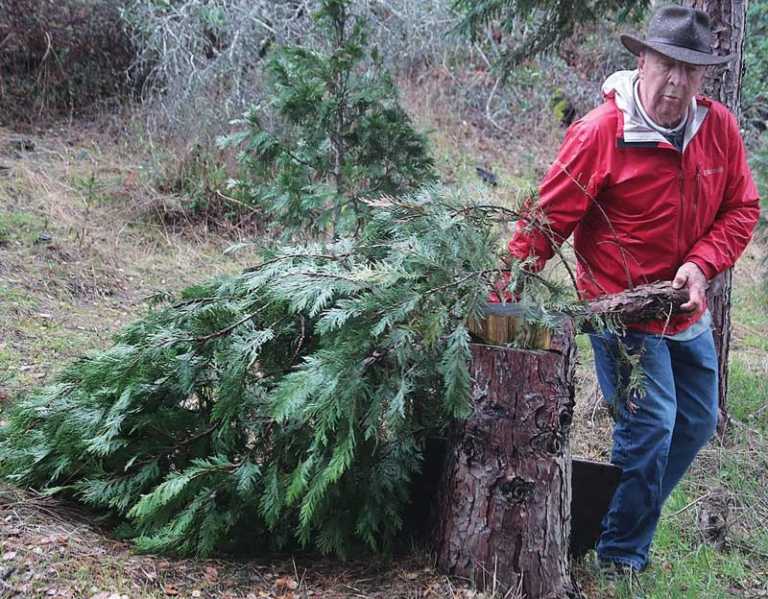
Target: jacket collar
column 635, row 131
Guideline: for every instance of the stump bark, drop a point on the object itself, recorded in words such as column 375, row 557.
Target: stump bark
column 504, row 511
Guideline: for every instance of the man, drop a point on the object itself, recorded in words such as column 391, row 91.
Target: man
column 654, row 184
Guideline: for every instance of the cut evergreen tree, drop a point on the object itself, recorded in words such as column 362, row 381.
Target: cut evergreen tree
column 342, row 135
column 288, row 405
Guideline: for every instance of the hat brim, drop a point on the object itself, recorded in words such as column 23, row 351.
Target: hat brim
column 636, row 46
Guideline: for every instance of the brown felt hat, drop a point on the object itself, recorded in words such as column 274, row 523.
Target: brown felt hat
column 680, row 33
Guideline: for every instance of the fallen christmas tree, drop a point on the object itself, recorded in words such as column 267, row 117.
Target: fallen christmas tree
column 288, row 405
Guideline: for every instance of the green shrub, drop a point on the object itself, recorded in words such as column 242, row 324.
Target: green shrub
column 754, row 89
column 64, row 57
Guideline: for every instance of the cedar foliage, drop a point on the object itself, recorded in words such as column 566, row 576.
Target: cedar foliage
column 342, row 135
column 286, row 406
column 537, row 27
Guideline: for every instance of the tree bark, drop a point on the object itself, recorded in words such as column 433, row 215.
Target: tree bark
column 723, row 83
column 654, row 301
column 504, row 509
column 505, row 323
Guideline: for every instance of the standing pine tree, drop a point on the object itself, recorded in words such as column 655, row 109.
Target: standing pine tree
column 342, row 136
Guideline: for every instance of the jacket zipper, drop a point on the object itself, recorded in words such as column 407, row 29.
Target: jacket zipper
column 681, row 220
column 696, row 197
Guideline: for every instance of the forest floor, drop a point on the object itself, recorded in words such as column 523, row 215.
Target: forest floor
column 85, row 240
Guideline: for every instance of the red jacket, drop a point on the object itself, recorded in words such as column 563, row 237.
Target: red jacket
column 639, row 208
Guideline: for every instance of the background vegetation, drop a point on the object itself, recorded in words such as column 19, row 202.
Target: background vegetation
column 129, row 196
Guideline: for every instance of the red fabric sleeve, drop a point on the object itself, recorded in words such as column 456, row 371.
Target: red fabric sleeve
column 565, row 195
column 719, row 248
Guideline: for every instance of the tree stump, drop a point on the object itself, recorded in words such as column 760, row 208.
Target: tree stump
column 504, row 509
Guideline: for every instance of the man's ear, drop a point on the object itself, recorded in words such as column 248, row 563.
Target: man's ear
column 641, row 61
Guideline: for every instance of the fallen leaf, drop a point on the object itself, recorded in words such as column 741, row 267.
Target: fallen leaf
column 169, row 589
column 286, row 583
column 211, row 574
column 8, row 555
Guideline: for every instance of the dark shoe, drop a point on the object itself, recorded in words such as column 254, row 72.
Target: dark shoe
column 612, row 571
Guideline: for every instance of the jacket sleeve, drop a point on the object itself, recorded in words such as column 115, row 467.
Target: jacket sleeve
column 565, row 194
column 719, row 248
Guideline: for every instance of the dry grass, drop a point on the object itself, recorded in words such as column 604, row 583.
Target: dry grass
column 49, row 549
column 519, row 152
column 83, row 243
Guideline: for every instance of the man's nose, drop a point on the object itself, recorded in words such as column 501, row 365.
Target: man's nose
column 678, row 75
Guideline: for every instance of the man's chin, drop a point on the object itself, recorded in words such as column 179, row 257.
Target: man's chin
column 670, row 120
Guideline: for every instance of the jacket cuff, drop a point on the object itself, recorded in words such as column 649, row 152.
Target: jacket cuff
column 709, row 271
column 522, row 253
column 524, row 245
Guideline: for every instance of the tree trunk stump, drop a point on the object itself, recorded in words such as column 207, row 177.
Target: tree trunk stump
column 504, row 511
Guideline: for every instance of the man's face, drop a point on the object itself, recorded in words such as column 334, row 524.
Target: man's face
column 667, row 86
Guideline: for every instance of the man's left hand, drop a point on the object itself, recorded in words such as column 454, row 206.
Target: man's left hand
column 690, row 276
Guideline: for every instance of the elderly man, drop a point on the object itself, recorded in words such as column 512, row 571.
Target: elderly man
column 654, row 184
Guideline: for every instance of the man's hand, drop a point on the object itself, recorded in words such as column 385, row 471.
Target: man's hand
column 500, row 293
column 690, row 276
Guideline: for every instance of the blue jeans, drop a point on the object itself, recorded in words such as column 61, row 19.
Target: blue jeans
column 657, row 434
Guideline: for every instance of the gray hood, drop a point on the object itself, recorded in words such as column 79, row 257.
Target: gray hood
column 636, row 129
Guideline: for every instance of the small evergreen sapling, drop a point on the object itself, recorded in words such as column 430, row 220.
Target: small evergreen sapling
column 342, row 136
